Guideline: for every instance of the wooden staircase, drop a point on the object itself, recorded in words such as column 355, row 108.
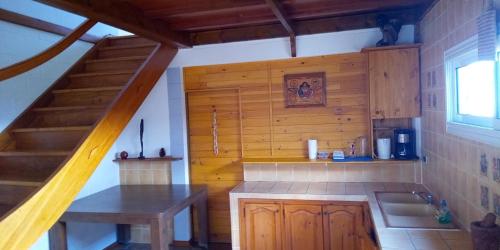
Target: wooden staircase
column 52, row 136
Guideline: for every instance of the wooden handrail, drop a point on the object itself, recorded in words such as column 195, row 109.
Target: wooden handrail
column 23, row 226
column 44, row 56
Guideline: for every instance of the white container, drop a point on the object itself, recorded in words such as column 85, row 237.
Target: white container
column 384, row 148
column 313, row 149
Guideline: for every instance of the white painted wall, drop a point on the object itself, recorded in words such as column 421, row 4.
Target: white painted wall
column 57, row 16
column 178, row 143
column 18, row 43
column 155, row 112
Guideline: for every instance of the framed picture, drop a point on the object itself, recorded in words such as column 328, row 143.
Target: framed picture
column 305, row 90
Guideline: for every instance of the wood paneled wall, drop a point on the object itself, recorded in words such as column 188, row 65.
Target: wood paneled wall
column 253, row 120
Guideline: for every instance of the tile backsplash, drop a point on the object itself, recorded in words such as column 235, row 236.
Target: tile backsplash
column 464, row 172
column 334, row 172
column 144, row 173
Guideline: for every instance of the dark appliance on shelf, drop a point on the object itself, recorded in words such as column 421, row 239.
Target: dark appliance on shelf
column 405, row 145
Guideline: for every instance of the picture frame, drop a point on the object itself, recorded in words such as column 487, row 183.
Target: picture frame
column 305, row 90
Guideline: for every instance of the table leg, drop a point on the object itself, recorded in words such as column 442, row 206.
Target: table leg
column 162, row 233
column 123, row 233
column 201, row 210
column 57, row 236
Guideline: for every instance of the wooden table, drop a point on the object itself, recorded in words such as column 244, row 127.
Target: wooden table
column 123, row 205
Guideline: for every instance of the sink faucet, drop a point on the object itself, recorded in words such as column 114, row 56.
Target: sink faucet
column 427, row 196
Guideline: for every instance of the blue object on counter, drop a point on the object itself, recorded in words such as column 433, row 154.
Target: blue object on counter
column 443, row 215
column 354, row 158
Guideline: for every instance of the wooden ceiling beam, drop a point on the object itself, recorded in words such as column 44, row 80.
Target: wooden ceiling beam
column 285, row 21
column 318, row 9
column 222, row 20
column 193, row 7
column 333, row 24
column 125, row 16
column 252, row 16
column 294, row 9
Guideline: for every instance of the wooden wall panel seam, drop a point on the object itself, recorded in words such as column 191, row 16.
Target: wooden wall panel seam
column 241, row 123
column 271, row 118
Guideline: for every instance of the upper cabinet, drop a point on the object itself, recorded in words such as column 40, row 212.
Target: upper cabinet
column 394, row 75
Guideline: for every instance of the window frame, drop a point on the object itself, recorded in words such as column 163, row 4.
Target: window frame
column 482, row 129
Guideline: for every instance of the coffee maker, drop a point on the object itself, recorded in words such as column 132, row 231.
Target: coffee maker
column 404, row 148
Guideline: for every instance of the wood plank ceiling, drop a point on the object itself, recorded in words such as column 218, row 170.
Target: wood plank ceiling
column 185, row 23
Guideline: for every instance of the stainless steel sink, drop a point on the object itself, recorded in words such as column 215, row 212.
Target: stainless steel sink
column 408, row 210
column 400, row 198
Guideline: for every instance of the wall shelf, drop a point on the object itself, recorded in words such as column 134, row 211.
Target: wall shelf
column 306, row 160
column 166, row 158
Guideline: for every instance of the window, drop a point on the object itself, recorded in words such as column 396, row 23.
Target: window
column 473, row 99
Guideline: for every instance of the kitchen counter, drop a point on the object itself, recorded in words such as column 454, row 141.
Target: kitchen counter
column 389, row 238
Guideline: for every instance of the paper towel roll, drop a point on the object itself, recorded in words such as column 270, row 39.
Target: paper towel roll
column 313, row 149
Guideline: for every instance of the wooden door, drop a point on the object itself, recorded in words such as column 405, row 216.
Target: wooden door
column 261, row 227
column 341, row 225
column 303, row 227
column 394, row 83
column 222, row 171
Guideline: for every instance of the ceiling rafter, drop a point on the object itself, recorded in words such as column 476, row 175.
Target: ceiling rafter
column 285, row 21
column 307, row 27
column 124, row 16
column 202, row 10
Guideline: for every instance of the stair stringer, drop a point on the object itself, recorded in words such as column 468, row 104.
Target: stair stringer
column 23, row 226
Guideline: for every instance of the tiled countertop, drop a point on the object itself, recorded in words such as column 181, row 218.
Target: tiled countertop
column 389, row 238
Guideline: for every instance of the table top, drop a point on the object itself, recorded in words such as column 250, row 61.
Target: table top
column 134, row 202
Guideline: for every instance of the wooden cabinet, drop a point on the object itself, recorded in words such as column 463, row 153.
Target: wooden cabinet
column 261, row 226
column 394, row 74
column 303, row 227
column 314, row 225
column 341, row 225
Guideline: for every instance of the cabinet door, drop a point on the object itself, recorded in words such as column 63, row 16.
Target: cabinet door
column 261, row 227
column 394, row 83
column 303, row 227
column 367, row 231
column 341, row 225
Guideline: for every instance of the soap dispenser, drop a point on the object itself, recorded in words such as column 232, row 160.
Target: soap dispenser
column 443, row 215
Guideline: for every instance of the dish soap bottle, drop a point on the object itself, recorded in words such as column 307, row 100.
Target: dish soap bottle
column 443, row 215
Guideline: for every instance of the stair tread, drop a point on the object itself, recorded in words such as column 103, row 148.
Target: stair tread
column 35, row 153
column 95, row 89
column 116, row 59
column 5, row 180
column 103, row 73
column 50, row 129
column 123, row 37
column 131, row 46
column 68, row 108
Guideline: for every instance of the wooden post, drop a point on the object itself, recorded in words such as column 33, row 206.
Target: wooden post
column 201, row 209
column 58, row 237
column 162, row 233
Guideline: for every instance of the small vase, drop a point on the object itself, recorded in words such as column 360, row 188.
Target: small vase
column 123, row 155
column 162, row 152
